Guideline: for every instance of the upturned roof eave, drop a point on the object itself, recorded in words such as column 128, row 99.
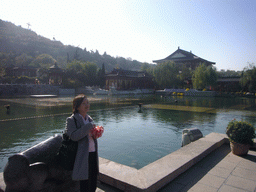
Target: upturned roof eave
column 182, row 60
column 189, row 57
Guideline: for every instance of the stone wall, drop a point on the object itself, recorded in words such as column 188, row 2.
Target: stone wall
column 29, row 89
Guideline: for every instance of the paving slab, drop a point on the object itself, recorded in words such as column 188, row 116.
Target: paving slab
column 245, row 173
column 228, row 188
column 241, row 183
column 220, row 172
column 212, row 181
column 202, row 188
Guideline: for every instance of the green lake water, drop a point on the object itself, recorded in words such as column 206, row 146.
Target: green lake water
column 132, row 136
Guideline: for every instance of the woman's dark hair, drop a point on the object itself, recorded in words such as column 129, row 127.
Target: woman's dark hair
column 77, row 101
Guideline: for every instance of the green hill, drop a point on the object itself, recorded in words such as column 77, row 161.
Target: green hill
column 22, row 47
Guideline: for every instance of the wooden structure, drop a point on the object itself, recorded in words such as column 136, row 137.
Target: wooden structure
column 55, row 75
column 228, row 84
column 121, row 79
column 20, row 71
column 190, row 60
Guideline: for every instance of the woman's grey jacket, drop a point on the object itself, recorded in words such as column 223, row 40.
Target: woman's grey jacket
column 80, row 133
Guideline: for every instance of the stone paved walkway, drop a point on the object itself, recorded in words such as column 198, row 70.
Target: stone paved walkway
column 220, row 171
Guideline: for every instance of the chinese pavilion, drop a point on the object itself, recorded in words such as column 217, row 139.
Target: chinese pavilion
column 55, row 75
column 190, row 60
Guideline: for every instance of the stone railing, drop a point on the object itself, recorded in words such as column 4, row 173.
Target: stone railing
column 37, row 169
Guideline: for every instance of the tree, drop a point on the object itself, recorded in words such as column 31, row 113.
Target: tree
column 101, row 76
column 72, row 78
column 149, row 68
column 166, row 74
column 80, row 73
column 184, row 74
column 23, row 60
column 77, row 55
column 229, row 73
column 75, row 66
column 90, row 70
column 43, row 60
column 212, row 76
column 204, row 76
column 248, row 79
column 145, row 66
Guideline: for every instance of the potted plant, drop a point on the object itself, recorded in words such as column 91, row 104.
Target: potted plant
column 241, row 135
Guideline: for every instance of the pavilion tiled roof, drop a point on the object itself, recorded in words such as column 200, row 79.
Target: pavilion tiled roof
column 127, row 73
column 180, row 56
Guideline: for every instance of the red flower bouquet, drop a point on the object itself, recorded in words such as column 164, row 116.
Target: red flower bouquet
column 97, row 132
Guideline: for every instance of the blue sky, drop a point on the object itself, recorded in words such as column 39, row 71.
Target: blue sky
column 222, row 31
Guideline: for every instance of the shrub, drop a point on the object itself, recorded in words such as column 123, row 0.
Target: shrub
column 240, row 132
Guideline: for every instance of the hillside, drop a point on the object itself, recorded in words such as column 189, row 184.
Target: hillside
column 20, row 46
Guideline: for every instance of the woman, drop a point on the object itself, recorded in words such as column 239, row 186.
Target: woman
column 78, row 127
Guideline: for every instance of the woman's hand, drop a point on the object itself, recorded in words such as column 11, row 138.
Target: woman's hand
column 97, row 132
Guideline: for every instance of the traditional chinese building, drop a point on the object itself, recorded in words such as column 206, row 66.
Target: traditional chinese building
column 190, row 60
column 124, row 80
column 55, row 75
column 228, row 84
column 21, row 71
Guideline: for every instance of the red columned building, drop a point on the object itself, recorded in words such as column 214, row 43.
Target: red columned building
column 125, row 80
column 190, row 60
column 228, row 84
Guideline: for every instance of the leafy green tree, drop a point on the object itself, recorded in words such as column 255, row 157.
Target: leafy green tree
column 101, row 76
column 80, row 73
column 43, row 61
column 199, row 78
column 149, row 68
column 145, row 66
column 75, row 66
column 229, row 73
column 166, row 75
column 122, row 63
column 212, row 76
column 248, row 78
column 184, row 74
column 23, row 60
column 204, row 76
column 7, row 59
column 77, row 54
column 62, row 61
column 73, row 76
column 90, row 70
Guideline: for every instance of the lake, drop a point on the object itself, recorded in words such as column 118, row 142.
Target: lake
column 132, row 136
